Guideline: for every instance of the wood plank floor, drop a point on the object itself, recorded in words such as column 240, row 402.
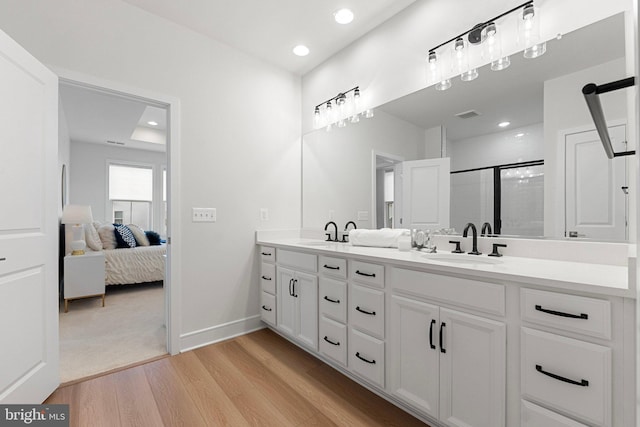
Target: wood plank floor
column 259, row 379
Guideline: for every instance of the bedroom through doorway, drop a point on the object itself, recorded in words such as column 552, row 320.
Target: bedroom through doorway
column 113, row 153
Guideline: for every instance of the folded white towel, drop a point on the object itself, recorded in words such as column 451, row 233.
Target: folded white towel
column 383, row 238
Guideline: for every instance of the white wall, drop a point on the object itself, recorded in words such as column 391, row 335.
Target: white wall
column 239, row 150
column 88, row 174
column 389, row 62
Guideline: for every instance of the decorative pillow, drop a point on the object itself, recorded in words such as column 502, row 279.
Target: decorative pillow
column 92, row 237
column 124, row 236
column 138, row 233
column 154, row 238
column 108, row 236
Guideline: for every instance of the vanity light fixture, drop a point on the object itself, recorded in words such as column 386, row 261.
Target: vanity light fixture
column 485, row 40
column 343, row 108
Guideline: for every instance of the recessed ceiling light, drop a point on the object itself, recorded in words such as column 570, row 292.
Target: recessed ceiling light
column 343, row 16
column 152, row 123
column 519, row 135
column 301, row 50
column 504, row 124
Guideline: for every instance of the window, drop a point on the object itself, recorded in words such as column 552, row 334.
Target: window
column 131, row 194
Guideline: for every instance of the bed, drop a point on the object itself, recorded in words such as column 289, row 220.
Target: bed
column 135, row 265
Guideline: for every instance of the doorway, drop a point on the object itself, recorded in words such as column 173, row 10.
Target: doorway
column 153, row 120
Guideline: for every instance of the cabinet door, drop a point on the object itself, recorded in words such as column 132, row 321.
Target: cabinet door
column 286, row 313
column 306, row 296
column 472, row 370
column 414, row 354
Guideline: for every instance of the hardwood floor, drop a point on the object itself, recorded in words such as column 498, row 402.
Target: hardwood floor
column 259, row 379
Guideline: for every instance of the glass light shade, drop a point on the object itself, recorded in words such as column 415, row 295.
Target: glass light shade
column 535, row 51
column 355, row 118
column 443, row 84
column 469, row 75
column 500, row 64
column 368, row 113
column 460, row 57
column 529, row 32
column 317, row 118
column 492, row 47
column 433, row 68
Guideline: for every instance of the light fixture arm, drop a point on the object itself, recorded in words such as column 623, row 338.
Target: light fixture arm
column 482, row 25
column 341, row 94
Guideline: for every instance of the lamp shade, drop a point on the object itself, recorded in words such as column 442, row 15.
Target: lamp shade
column 77, row 214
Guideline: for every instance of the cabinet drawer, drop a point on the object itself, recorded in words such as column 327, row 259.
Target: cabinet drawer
column 372, row 274
column 535, row 416
column 366, row 357
column 268, row 308
column 268, row 277
column 569, row 375
column 268, row 253
column 366, row 311
column 298, row 260
column 333, row 340
column 588, row 316
column 333, row 299
column 335, row 267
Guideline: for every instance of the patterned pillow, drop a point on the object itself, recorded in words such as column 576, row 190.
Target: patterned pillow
column 108, row 236
column 124, row 236
column 154, row 238
column 138, row 233
column 92, row 237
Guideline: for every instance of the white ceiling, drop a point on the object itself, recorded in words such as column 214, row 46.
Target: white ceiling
column 269, row 29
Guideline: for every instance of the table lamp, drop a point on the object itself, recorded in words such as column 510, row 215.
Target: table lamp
column 77, row 215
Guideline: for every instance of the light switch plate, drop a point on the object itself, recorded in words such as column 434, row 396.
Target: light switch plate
column 264, row 214
column 204, row 214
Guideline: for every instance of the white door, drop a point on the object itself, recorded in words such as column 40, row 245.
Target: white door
column 426, row 188
column 472, row 370
column 286, row 313
column 29, row 185
column 595, row 200
column 306, row 294
column 414, row 354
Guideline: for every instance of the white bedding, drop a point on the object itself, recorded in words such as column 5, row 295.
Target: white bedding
column 135, row 265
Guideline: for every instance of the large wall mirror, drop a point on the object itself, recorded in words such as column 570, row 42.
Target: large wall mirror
column 543, row 174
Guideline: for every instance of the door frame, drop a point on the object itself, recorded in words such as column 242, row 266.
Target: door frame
column 172, row 104
column 560, row 199
column 374, row 155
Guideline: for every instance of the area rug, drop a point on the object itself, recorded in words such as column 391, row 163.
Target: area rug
column 129, row 329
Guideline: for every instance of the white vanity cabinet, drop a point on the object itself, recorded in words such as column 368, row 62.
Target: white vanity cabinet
column 268, row 285
column 446, row 363
column 297, row 296
column 332, row 302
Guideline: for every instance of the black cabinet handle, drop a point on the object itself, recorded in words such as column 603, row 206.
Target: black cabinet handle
column 442, row 349
column 266, row 309
column 581, row 383
column 3, row 259
column 290, row 284
column 266, row 278
column 370, row 313
column 335, row 301
column 365, row 274
column 331, row 342
column 266, row 253
column 331, row 267
column 433, row 322
column 561, row 314
column 365, row 360
column 294, row 288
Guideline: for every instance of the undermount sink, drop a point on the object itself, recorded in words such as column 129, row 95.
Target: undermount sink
column 462, row 259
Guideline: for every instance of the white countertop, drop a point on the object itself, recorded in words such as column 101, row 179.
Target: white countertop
column 578, row 276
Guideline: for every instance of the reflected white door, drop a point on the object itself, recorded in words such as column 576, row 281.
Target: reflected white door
column 29, row 186
column 595, row 199
column 426, row 186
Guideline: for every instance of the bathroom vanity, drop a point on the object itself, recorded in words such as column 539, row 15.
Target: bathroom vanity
column 458, row 339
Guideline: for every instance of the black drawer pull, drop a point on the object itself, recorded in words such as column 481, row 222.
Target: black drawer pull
column 266, row 278
column 264, row 307
column 581, row 383
column 3, row 259
column 266, row 253
column 370, row 313
column 294, row 288
column 290, row 285
column 561, row 314
column 335, row 301
column 331, row 342
column 442, row 349
column 433, row 322
column 365, row 360
column 365, row 274
column 330, row 267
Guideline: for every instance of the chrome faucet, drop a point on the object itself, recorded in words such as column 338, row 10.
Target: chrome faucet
column 345, row 234
column 326, row 226
column 474, row 251
column 486, row 229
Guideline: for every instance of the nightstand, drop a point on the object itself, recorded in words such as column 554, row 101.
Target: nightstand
column 83, row 277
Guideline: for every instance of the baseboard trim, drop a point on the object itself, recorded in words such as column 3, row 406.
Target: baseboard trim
column 214, row 334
